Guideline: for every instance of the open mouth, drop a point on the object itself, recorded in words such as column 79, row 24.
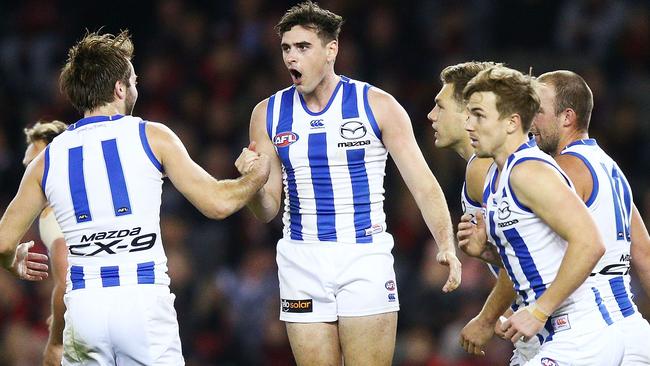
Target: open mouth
column 295, row 75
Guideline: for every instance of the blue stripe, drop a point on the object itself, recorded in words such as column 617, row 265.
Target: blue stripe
column 502, row 253
column 590, row 142
column 78, row 184
column 594, row 177
column 322, row 184
column 119, row 192
column 618, row 181
column 526, row 261
column 269, row 116
column 110, row 276
column 285, row 123
column 147, row 147
column 627, row 196
column 93, row 119
column 349, row 108
column 77, row 277
column 371, row 116
column 46, row 167
column 360, row 194
column 621, row 296
column 620, row 230
column 549, row 328
column 601, row 306
column 146, row 273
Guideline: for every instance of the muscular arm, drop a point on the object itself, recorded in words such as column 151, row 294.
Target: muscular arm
column 21, row 213
column 499, row 299
column 541, row 188
column 216, row 199
column 397, row 135
column 640, row 249
column 266, row 202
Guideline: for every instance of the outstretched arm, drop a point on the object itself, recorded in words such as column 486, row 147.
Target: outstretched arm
column 216, row 199
column 21, row 213
column 397, row 135
column 266, row 202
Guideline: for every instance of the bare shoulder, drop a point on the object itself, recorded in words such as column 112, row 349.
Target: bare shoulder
column 386, row 109
column 573, row 166
column 477, row 170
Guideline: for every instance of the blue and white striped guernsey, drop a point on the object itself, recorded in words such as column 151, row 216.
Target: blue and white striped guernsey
column 333, row 165
column 610, row 204
column 530, row 250
column 104, row 184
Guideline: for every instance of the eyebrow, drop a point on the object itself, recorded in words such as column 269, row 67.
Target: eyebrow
column 297, row 44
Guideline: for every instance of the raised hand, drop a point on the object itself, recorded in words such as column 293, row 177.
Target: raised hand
column 449, row 259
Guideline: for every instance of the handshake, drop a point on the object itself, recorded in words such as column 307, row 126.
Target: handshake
column 254, row 164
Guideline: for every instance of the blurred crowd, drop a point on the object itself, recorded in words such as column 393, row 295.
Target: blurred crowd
column 203, row 65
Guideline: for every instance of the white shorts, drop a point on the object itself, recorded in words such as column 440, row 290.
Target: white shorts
column 126, row 325
column 602, row 347
column 321, row 281
column 635, row 332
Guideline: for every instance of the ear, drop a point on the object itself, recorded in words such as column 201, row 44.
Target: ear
column 120, row 90
column 332, row 51
column 513, row 123
column 569, row 118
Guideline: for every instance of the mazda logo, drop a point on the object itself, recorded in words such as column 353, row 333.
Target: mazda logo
column 353, row 130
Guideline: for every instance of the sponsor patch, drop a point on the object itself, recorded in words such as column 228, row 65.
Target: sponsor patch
column 503, row 212
column 561, row 323
column 352, row 130
column 548, row 362
column 391, row 298
column 284, row 139
column 297, row 306
column 374, row 229
column 316, row 123
column 390, row 285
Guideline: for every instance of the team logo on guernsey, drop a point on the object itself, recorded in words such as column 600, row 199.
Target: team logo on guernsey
column 297, row 306
column 391, row 298
column 352, row 130
column 548, row 362
column 390, row 285
column 284, row 139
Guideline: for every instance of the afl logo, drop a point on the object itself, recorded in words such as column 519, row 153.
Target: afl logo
column 548, row 362
column 284, row 139
column 390, row 285
column 352, row 130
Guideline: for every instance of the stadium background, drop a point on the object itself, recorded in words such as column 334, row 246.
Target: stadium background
column 203, row 65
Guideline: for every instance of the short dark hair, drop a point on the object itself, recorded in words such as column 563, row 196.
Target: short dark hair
column 309, row 15
column 44, row 131
column 571, row 91
column 93, row 67
column 460, row 74
column 515, row 92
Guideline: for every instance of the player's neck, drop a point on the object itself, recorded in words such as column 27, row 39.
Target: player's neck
column 317, row 100
column 464, row 149
column 571, row 137
column 110, row 109
column 508, row 148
